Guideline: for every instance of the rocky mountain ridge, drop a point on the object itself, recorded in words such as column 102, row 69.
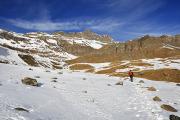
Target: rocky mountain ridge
column 91, row 47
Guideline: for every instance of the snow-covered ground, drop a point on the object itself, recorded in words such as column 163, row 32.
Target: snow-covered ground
column 72, row 98
column 72, row 40
column 84, row 42
column 78, row 95
column 157, row 63
column 11, row 56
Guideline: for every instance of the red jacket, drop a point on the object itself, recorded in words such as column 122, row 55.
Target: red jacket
column 130, row 73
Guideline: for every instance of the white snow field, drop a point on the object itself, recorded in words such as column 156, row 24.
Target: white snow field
column 81, row 96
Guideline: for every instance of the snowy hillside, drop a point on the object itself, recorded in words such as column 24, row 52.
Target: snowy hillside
column 85, row 42
column 79, row 96
column 72, row 40
column 64, row 88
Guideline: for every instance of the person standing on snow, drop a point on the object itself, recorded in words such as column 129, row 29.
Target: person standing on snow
column 131, row 74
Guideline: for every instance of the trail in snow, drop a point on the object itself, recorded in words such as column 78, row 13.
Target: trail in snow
column 66, row 99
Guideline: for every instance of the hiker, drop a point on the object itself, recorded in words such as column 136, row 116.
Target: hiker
column 131, row 74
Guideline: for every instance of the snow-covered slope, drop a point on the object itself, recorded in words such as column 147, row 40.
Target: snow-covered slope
column 84, row 42
column 43, row 43
column 80, row 96
column 43, row 51
column 63, row 94
column 10, row 56
column 72, row 40
column 157, row 63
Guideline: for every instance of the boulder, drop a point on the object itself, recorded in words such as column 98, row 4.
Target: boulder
column 29, row 81
column 60, row 72
column 53, row 81
column 119, row 83
column 141, row 81
column 21, row 109
column 30, row 69
column 84, row 91
column 168, row 108
column 37, row 76
column 151, row 89
column 156, row 98
column 174, row 117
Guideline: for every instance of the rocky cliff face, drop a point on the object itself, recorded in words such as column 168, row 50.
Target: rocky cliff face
column 146, row 47
column 90, row 45
column 142, row 48
column 87, row 35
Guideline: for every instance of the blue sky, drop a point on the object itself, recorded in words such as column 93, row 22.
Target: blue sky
column 122, row 19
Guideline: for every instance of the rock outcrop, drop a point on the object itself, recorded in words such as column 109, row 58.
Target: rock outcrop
column 87, row 34
column 174, row 117
column 168, row 108
column 29, row 81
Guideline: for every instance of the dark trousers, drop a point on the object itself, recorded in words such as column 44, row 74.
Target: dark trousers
column 131, row 78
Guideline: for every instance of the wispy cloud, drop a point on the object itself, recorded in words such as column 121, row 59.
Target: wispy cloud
column 124, row 19
column 44, row 25
column 48, row 25
column 134, row 9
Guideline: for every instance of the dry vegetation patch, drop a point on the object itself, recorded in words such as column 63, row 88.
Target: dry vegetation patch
column 115, row 63
column 170, row 75
column 140, row 64
column 119, row 74
column 90, row 70
column 106, row 71
column 95, row 58
column 136, row 60
column 28, row 59
column 81, row 67
column 56, row 66
column 112, row 69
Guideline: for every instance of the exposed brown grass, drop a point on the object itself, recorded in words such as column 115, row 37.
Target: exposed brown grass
column 55, row 63
column 56, row 67
column 115, row 63
column 90, row 70
column 140, row 64
column 95, row 58
column 81, row 67
column 28, row 59
column 136, row 60
column 170, row 75
column 44, row 65
column 119, row 74
column 106, row 71
column 111, row 70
